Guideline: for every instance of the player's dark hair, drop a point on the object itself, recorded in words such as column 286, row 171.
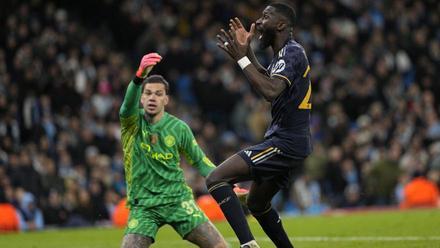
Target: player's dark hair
column 157, row 79
column 285, row 10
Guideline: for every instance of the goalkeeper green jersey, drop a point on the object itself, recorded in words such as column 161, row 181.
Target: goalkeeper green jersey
column 152, row 154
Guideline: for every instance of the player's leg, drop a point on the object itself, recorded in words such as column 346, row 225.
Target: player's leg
column 132, row 240
column 206, row 236
column 219, row 185
column 192, row 224
column 258, row 202
column 141, row 228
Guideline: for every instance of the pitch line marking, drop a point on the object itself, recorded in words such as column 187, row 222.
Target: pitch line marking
column 350, row 238
column 332, row 239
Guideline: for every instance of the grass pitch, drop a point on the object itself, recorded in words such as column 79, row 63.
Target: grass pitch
column 416, row 228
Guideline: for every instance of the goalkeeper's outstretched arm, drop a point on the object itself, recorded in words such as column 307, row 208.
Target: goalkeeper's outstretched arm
column 132, row 96
column 194, row 154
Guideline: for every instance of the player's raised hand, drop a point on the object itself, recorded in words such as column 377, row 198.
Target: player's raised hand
column 223, row 41
column 229, row 42
column 243, row 36
column 241, row 194
column 147, row 64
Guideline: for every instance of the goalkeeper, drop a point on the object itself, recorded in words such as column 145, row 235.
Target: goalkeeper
column 152, row 140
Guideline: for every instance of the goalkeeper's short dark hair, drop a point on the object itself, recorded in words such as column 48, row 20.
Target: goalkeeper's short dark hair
column 156, row 79
column 285, row 10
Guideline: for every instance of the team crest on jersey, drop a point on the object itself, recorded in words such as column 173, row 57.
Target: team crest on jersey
column 279, row 66
column 170, row 141
column 133, row 223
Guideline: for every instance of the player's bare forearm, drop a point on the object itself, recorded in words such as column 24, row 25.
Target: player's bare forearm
column 206, row 236
column 255, row 62
column 237, row 47
column 268, row 87
column 135, row 241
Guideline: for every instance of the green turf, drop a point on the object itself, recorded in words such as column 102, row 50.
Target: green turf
column 419, row 228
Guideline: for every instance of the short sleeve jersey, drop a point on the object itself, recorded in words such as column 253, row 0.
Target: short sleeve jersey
column 290, row 126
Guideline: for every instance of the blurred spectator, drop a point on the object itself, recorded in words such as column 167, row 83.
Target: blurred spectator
column 380, row 180
column 333, row 182
column 55, row 213
column 31, row 215
column 307, row 194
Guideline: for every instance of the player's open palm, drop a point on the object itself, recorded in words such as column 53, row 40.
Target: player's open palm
column 242, row 35
column 236, row 40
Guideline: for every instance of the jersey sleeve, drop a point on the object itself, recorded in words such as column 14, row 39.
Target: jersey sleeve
column 193, row 153
column 129, row 111
column 292, row 63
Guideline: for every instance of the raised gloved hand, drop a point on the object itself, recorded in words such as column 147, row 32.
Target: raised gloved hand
column 147, row 63
column 241, row 194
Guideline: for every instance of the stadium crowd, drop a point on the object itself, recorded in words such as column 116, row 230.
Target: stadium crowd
column 64, row 67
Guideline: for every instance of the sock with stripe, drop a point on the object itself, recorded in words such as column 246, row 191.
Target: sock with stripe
column 271, row 223
column 231, row 207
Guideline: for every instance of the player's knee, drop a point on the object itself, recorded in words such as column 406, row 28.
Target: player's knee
column 135, row 240
column 213, row 179
column 256, row 207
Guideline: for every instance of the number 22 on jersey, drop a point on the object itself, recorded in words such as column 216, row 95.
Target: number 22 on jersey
column 305, row 103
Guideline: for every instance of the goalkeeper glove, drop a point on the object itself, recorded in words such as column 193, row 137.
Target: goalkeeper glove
column 241, row 194
column 147, row 63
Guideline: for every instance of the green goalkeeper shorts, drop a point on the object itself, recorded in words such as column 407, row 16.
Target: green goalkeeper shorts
column 183, row 217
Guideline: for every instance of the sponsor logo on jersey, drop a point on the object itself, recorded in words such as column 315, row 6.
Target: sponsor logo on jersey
column 278, row 67
column 146, row 147
column 145, row 133
column 170, row 140
column 161, row 156
column 156, row 155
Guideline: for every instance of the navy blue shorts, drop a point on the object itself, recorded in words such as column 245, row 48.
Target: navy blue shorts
column 269, row 163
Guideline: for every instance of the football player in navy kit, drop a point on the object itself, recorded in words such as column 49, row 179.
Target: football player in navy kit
column 286, row 85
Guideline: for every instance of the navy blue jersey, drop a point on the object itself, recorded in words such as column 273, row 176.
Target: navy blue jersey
column 290, row 126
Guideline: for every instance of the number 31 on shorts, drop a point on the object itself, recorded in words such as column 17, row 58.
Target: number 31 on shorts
column 190, row 207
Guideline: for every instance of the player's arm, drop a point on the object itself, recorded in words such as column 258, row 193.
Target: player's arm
column 197, row 158
column 130, row 103
column 237, row 45
column 255, row 62
column 269, row 88
column 132, row 96
column 193, row 153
